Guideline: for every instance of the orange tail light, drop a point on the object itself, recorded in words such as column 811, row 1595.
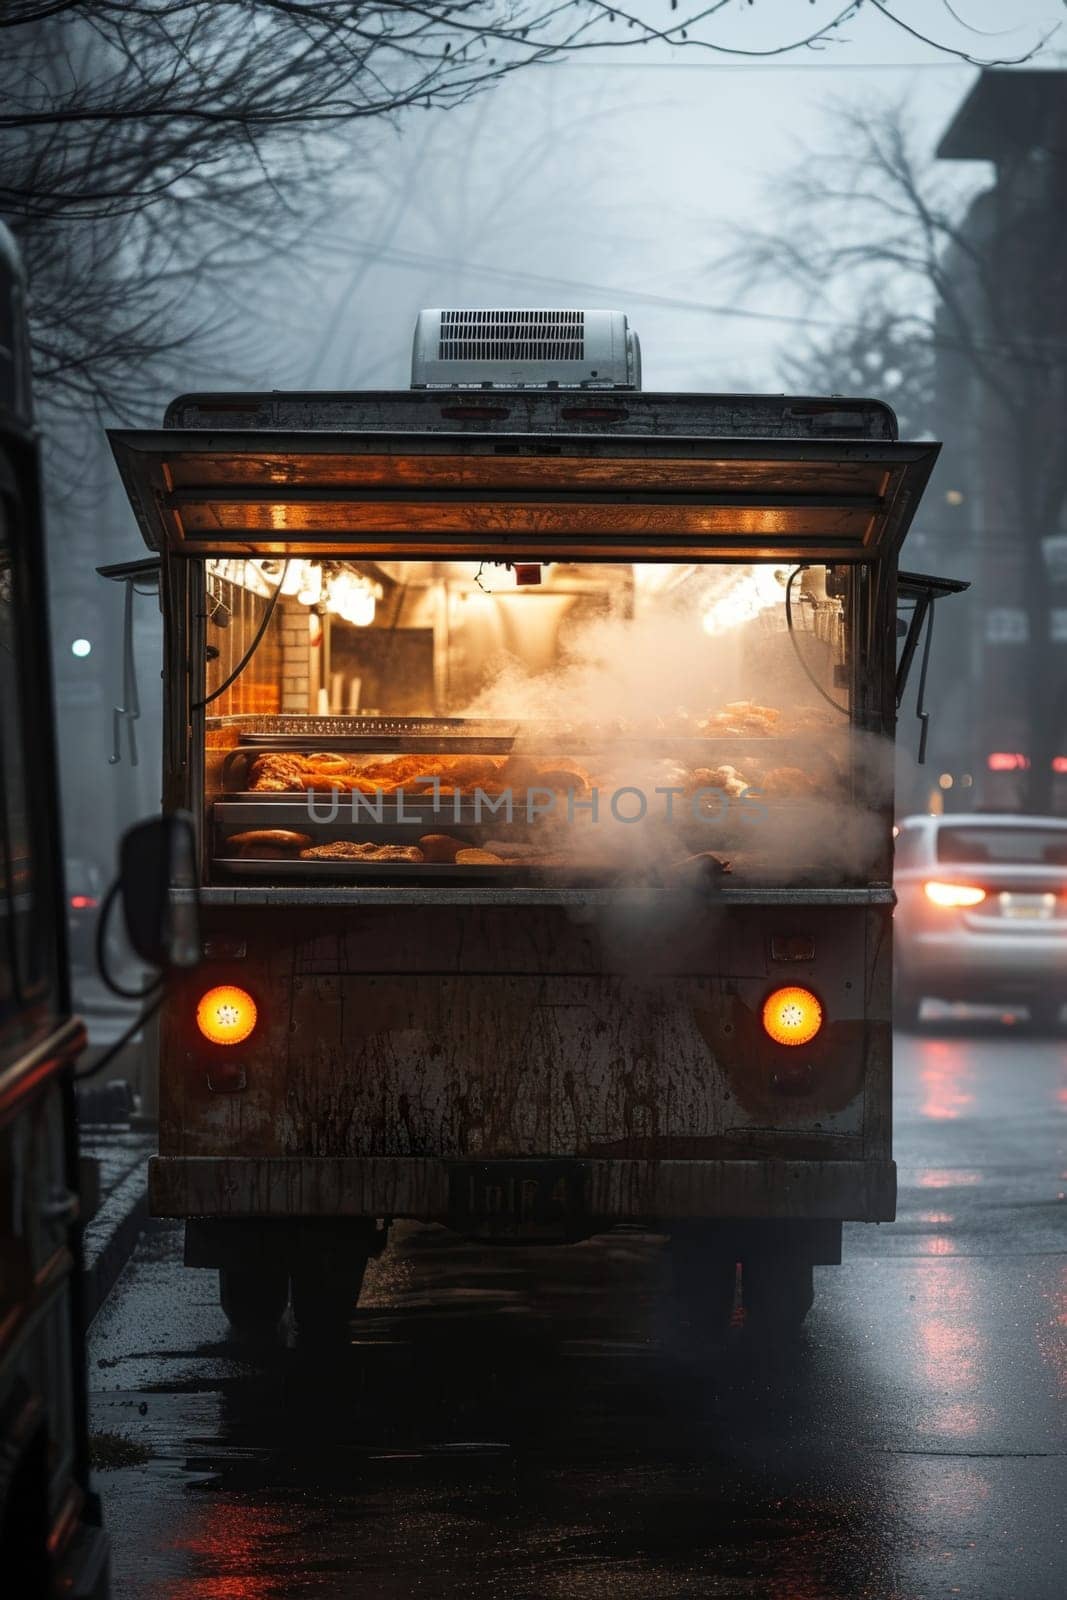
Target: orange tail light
column 226, row 1014
column 792, row 1015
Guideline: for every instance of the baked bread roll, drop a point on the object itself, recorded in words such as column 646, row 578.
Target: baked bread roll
column 283, row 840
column 339, row 850
column 351, row 850
column 282, row 771
column 275, row 773
column 562, row 777
column 789, row 783
column 524, row 855
column 726, row 778
column 441, row 848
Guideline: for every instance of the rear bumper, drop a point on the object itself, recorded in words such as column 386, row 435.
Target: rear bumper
column 1016, row 960
column 616, row 1190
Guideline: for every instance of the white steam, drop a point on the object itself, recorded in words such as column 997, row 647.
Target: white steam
column 628, row 707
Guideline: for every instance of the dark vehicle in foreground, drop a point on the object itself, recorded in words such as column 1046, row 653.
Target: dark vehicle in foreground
column 538, row 732
column 51, row 1542
column 982, row 912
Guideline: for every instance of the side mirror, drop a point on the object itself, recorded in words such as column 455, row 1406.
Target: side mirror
column 157, row 884
column 922, row 591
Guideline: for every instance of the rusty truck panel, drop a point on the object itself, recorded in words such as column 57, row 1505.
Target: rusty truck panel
column 419, row 1032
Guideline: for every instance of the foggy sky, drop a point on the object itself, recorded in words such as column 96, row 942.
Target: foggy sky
column 622, row 177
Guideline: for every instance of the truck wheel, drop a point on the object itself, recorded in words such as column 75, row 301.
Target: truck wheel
column 777, row 1293
column 704, row 1283
column 253, row 1298
column 324, row 1300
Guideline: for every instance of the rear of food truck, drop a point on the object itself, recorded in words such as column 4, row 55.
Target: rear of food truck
column 540, row 733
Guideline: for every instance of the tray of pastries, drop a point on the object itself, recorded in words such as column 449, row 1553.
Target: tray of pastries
column 807, row 772
column 288, row 854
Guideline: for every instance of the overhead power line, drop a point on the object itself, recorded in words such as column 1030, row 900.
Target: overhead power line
column 770, row 66
column 394, row 255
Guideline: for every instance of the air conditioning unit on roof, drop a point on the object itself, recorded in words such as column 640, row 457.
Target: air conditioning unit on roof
column 525, row 349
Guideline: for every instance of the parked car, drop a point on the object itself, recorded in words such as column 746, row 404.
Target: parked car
column 85, row 890
column 982, row 912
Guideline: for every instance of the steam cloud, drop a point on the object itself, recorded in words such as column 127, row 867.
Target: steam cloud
column 623, row 707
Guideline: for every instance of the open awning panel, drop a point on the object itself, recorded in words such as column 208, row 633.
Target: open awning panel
column 253, row 493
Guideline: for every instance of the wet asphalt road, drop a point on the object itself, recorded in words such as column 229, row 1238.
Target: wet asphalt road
column 510, row 1424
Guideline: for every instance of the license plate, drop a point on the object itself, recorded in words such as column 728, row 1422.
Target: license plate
column 532, row 1199
column 1028, row 907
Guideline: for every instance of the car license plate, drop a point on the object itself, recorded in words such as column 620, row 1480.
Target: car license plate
column 1028, row 907
column 529, row 1199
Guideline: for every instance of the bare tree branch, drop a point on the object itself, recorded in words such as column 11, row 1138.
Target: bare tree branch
column 951, row 289
column 150, row 148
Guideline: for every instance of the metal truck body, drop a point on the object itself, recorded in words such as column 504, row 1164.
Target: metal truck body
column 517, row 1052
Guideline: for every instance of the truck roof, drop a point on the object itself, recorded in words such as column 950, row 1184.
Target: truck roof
column 531, row 411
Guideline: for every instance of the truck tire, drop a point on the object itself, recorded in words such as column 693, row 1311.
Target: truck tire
column 253, row 1298
column 324, row 1299
column 704, row 1282
column 777, row 1292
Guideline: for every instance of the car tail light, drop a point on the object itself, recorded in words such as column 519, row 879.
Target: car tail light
column 954, row 894
column 83, row 902
column 226, row 1014
column 792, row 1015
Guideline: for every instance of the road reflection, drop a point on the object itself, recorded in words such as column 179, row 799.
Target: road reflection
column 949, row 1348
column 946, row 1074
column 227, row 1542
column 517, row 1425
column 507, row 1423
column 1052, row 1329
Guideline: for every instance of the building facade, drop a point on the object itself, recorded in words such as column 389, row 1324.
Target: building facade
column 1000, row 517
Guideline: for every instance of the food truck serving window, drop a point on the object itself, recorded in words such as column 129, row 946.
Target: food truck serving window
column 533, row 651
column 468, row 717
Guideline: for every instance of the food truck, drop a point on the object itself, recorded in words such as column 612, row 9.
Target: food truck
column 539, row 729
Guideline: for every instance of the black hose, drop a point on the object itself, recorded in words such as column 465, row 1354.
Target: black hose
column 198, row 705
column 812, row 679
column 122, row 1041
column 101, row 953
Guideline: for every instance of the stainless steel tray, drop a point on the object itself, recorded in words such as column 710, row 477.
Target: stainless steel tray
column 307, row 871
column 486, row 736
column 414, row 734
